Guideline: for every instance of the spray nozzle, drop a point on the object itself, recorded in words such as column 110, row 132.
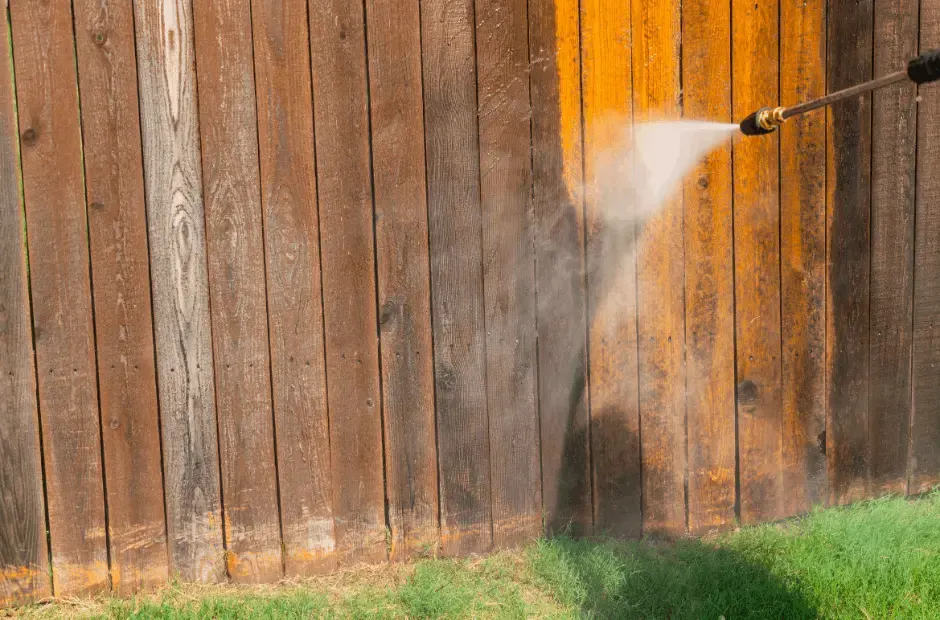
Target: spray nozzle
column 762, row 122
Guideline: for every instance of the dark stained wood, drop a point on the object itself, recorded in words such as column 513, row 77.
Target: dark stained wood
column 660, row 266
column 50, row 136
column 340, row 97
column 611, row 271
column 180, row 292
column 894, row 137
column 401, row 245
column 235, row 245
column 454, row 222
column 924, row 463
column 24, row 555
column 555, row 84
column 114, row 187
column 803, row 257
column 848, row 253
column 757, row 267
column 295, row 311
column 508, row 269
column 709, row 273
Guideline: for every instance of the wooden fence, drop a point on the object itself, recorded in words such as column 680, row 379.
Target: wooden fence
column 307, row 283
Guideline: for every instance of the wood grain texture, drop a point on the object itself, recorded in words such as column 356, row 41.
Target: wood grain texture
column 401, row 244
column 924, row 461
column 341, row 109
column 295, row 309
column 757, row 267
column 47, row 102
column 894, row 148
column 180, row 289
column 606, row 53
column 114, row 188
column 848, row 193
column 660, row 266
column 508, row 269
column 24, row 554
column 454, row 222
column 557, row 190
column 230, row 172
column 803, row 256
column 709, row 273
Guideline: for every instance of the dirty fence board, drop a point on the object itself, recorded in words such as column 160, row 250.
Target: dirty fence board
column 611, row 272
column 454, row 222
column 237, row 289
column 173, row 182
column 295, row 312
column 848, row 252
column 508, row 269
column 803, row 257
column 555, row 83
column 50, row 134
column 893, row 143
column 114, row 185
column 24, row 559
column 709, row 273
column 924, row 462
column 757, row 267
column 401, row 231
column 660, row 266
column 340, row 97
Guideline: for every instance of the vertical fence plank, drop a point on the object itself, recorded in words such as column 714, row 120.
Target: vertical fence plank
column 660, row 283
column 295, row 311
column 47, row 101
column 757, row 266
column 557, row 175
column 179, row 279
column 803, row 256
column 114, row 187
column 508, row 269
column 24, row 556
column 223, row 47
column 401, row 230
column 454, row 221
column 848, row 252
column 709, row 272
column 894, row 147
column 606, row 56
column 924, row 463
column 340, row 95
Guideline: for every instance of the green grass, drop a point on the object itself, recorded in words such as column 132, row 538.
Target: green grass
column 877, row 559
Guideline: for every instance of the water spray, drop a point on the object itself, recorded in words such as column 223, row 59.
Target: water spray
column 921, row 70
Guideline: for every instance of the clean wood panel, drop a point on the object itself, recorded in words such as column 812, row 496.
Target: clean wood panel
column 24, row 556
column 848, row 251
column 401, row 241
column 50, row 135
column 709, row 273
column 454, row 222
column 555, row 84
column 660, row 266
column 230, row 169
column 508, row 269
column 803, row 256
column 114, row 186
column 179, row 279
column 924, row 463
column 340, row 95
column 611, row 271
column 295, row 311
column 894, row 148
column 757, row 266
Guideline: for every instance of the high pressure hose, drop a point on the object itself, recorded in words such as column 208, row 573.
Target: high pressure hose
column 921, row 70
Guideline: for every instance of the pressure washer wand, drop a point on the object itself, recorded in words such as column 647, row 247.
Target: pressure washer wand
column 921, row 70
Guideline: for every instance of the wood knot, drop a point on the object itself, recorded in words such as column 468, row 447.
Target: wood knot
column 29, row 137
column 97, row 206
column 703, row 182
column 747, row 392
column 100, row 37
